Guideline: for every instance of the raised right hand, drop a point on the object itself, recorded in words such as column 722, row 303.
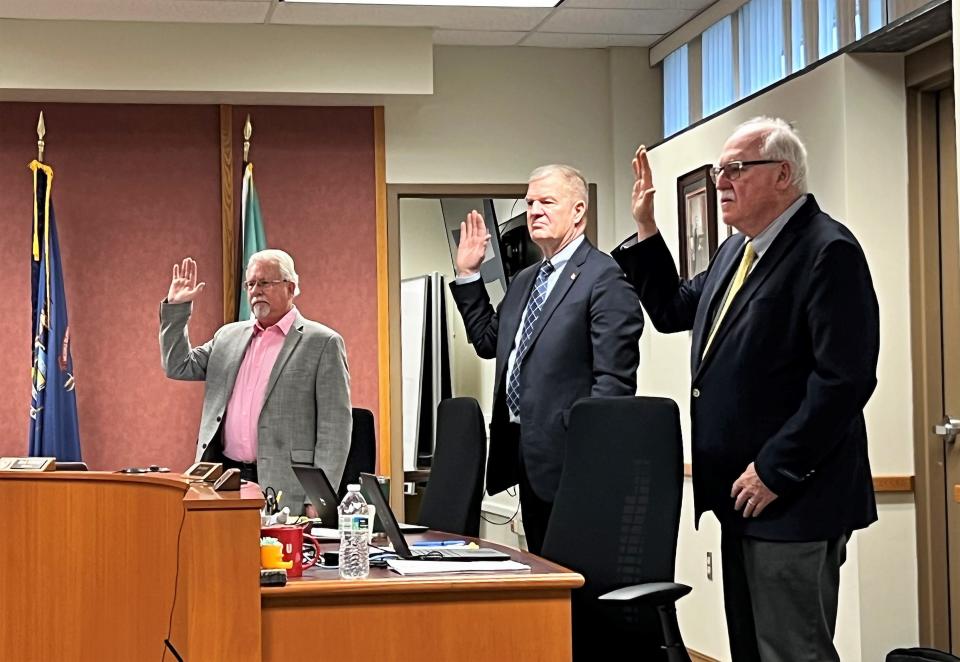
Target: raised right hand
column 473, row 244
column 184, row 286
column 642, row 198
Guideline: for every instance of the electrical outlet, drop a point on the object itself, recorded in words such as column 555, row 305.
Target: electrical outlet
column 710, row 566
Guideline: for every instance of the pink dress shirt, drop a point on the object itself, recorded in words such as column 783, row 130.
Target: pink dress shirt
column 246, row 401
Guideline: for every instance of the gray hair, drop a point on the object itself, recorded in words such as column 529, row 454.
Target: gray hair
column 574, row 178
column 283, row 261
column 779, row 142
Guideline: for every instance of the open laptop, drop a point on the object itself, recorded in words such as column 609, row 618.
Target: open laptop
column 324, row 497
column 320, row 492
column 400, row 546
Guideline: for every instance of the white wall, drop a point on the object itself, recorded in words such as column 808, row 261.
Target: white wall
column 93, row 60
column 851, row 114
column 497, row 113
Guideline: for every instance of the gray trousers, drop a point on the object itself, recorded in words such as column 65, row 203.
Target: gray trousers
column 780, row 598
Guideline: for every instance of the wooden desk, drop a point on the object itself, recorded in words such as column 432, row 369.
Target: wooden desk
column 509, row 616
column 100, row 566
column 103, row 566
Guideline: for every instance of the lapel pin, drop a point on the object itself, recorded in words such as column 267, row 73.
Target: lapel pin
column 573, row 276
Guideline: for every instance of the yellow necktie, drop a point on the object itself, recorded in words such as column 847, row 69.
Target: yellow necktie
column 745, row 263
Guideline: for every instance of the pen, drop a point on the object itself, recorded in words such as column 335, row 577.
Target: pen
column 439, row 543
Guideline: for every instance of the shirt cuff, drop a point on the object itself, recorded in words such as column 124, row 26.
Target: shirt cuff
column 463, row 280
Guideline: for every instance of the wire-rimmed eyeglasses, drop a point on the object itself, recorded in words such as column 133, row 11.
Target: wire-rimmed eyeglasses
column 262, row 284
column 732, row 169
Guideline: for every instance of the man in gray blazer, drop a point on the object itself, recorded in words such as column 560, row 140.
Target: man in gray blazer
column 277, row 387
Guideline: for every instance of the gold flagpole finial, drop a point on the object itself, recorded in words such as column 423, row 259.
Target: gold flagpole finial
column 247, row 132
column 41, row 132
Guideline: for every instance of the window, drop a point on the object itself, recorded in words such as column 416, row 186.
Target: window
column 676, row 92
column 773, row 38
column 876, row 14
column 798, row 38
column 829, row 34
column 762, row 57
column 717, row 66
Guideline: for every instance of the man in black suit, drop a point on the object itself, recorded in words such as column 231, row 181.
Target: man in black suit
column 785, row 344
column 567, row 328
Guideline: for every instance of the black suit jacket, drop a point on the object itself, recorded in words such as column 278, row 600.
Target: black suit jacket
column 787, row 376
column 585, row 343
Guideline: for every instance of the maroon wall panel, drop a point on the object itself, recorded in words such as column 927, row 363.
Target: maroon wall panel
column 314, row 171
column 136, row 188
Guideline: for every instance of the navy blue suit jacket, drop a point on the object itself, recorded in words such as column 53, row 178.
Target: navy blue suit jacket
column 585, row 343
column 787, row 376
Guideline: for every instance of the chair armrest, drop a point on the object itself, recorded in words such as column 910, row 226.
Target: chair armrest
column 651, row 593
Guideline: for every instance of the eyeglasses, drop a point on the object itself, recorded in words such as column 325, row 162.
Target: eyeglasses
column 732, row 169
column 262, row 284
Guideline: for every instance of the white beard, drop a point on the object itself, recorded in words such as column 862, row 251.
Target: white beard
column 260, row 309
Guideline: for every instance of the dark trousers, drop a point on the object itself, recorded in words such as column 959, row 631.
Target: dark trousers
column 780, row 598
column 536, row 513
column 248, row 470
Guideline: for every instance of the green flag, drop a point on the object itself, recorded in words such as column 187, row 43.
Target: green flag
column 252, row 236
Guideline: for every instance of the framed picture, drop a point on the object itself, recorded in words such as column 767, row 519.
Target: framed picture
column 697, row 217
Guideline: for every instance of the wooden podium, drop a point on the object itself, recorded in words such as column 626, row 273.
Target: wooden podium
column 104, row 566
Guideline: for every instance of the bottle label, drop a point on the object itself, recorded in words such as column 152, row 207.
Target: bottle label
column 354, row 523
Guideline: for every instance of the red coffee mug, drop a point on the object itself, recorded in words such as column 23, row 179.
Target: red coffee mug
column 292, row 537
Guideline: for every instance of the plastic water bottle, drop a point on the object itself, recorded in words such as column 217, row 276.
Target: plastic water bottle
column 354, row 535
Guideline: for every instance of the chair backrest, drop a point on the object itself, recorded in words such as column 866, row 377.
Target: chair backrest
column 616, row 516
column 454, row 491
column 362, row 457
column 920, row 655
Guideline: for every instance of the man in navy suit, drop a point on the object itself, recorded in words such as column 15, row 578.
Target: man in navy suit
column 567, row 328
column 785, row 344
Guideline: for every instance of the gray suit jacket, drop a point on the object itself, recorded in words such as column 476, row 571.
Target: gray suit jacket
column 306, row 416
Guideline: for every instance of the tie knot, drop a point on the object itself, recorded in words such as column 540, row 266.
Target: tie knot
column 748, row 253
column 546, row 268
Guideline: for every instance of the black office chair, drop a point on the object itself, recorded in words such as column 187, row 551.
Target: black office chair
column 362, row 457
column 454, row 491
column 615, row 520
column 920, row 655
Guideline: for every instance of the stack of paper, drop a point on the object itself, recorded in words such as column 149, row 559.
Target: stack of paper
column 405, row 567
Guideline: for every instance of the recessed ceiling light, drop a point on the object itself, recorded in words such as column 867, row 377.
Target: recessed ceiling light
column 440, row 3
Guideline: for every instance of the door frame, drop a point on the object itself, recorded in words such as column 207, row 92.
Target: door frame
column 927, row 72
column 392, row 455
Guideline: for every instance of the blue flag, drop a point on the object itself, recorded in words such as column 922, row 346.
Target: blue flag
column 54, row 431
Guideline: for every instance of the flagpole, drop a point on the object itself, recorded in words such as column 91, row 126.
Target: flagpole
column 41, row 132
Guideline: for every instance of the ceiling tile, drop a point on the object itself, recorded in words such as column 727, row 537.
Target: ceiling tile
column 448, row 18
column 616, row 21
column 693, row 5
column 174, row 11
column 476, row 38
column 568, row 40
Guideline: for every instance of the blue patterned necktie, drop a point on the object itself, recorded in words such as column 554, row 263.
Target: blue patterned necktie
column 534, row 306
